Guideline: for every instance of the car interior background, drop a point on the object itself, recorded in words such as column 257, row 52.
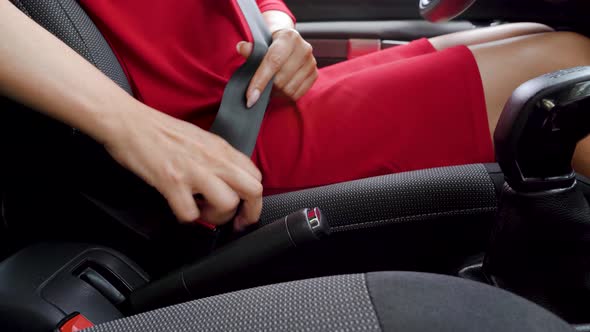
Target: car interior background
column 72, row 243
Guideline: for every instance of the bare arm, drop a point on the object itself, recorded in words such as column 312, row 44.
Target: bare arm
column 175, row 157
column 41, row 72
column 277, row 20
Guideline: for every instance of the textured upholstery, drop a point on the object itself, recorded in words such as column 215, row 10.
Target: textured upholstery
column 403, row 197
column 384, row 301
column 338, row 303
column 68, row 21
column 412, row 302
column 394, row 301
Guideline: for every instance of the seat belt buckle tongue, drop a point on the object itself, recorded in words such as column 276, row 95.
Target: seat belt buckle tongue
column 73, row 323
column 206, row 224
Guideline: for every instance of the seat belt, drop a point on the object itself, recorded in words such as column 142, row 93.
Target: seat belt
column 236, row 123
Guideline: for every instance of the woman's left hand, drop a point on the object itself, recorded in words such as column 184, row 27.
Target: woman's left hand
column 289, row 60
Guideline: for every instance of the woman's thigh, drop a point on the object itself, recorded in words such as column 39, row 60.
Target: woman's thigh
column 431, row 110
column 419, row 112
column 488, row 34
column 505, row 64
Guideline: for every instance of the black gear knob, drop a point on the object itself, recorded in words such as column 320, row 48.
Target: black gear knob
column 540, row 243
column 539, row 129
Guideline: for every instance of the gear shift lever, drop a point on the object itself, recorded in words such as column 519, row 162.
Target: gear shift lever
column 540, row 246
column 538, row 131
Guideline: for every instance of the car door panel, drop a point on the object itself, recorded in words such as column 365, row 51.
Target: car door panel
column 337, row 41
column 330, row 10
column 404, row 30
column 343, row 29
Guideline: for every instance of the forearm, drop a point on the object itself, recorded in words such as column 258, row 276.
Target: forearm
column 277, row 20
column 177, row 158
column 40, row 71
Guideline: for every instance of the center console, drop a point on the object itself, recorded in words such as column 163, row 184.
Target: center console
column 56, row 286
column 540, row 245
column 43, row 285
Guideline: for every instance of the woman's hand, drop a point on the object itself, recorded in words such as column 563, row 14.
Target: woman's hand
column 176, row 157
column 289, row 60
column 181, row 160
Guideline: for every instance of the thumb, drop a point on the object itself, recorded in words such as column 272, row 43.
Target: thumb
column 244, row 48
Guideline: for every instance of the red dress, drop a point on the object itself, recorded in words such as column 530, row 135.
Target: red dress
column 405, row 108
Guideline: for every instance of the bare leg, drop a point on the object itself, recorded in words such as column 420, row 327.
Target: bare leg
column 489, row 34
column 581, row 161
column 506, row 64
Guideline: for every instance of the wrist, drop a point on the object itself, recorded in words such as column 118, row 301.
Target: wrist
column 106, row 124
column 283, row 30
column 277, row 20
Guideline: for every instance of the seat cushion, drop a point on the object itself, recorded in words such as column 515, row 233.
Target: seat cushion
column 385, row 301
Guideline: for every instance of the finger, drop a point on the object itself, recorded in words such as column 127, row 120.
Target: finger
column 242, row 161
column 244, row 48
column 244, row 184
column 249, row 189
column 183, row 204
column 306, row 85
column 221, row 202
column 298, row 59
column 308, row 69
column 276, row 93
column 248, row 214
column 238, row 158
column 275, row 58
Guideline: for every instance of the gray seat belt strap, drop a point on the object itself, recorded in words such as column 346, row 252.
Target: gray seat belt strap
column 236, row 123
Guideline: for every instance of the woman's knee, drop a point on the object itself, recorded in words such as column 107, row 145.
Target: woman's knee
column 554, row 51
column 571, row 47
column 525, row 28
column 535, row 54
column 506, row 64
column 534, row 27
column 488, row 34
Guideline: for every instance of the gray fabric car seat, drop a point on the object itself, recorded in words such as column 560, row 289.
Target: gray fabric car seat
column 362, row 302
column 386, row 301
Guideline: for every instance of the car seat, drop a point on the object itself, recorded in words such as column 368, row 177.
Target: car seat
column 454, row 197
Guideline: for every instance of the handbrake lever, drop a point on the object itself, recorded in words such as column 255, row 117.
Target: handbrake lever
column 199, row 279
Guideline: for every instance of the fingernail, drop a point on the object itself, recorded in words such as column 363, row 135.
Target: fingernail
column 239, row 47
column 253, row 98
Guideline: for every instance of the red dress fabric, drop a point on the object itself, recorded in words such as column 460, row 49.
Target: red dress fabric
column 404, row 108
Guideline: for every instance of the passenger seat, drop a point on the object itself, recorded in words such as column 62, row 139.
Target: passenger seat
column 384, row 301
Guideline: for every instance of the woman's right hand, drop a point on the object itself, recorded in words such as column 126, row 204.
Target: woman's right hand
column 181, row 161
column 177, row 158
